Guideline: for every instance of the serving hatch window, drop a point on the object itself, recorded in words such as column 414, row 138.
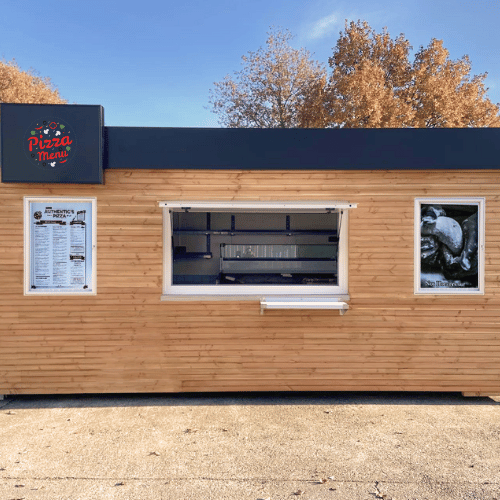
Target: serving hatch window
column 254, row 248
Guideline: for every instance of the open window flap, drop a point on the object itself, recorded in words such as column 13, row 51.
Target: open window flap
column 256, row 206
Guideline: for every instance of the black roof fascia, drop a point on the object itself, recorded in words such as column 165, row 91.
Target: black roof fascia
column 301, row 149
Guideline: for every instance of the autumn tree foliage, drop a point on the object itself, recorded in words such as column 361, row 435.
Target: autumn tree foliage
column 372, row 84
column 271, row 88
column 370, row 80
column 19, row 86
column 444, row 95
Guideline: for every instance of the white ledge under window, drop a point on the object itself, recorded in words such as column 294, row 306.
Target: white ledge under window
column 286, row 302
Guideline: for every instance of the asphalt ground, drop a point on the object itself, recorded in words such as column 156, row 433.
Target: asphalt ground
column 253, row 446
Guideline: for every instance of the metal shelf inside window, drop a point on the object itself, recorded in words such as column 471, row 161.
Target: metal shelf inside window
column 273, row 255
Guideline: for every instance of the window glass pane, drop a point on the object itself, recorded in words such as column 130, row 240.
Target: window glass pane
column 272, row 248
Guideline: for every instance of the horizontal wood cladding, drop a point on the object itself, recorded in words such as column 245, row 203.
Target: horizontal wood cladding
column 125, row 339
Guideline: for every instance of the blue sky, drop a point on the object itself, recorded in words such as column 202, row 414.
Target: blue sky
column 151, row 63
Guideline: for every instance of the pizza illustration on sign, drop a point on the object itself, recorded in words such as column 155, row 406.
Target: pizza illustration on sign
column 50, row 143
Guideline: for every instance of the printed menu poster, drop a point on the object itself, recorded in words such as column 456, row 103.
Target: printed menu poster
column 61, row 245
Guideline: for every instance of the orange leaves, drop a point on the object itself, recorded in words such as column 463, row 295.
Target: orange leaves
column 370, row 76
column 25, row 86
column 446, row 94
column 373, row 84
column 272, row 88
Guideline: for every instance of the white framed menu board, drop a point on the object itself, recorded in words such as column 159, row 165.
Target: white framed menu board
column 59, row 246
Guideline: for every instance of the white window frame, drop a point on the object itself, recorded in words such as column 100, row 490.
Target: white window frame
column 480, row 202
column 92, row 289
column 227, row 292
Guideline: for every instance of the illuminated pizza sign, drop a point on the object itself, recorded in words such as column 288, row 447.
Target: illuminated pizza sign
column 50, row 143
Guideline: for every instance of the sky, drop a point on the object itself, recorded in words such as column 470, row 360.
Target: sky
column 151, row 63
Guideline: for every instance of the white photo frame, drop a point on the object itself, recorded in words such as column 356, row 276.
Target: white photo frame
column 449, row 246
column 60, row 246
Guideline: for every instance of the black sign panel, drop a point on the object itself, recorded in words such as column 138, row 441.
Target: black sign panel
column 302, row 149
column 52, row 143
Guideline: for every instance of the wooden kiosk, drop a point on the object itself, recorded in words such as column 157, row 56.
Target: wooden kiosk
column 180, row 260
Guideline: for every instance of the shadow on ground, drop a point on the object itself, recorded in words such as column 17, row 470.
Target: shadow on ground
column 242, row 399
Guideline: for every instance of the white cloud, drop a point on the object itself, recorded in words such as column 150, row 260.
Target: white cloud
column 334, row 22
column 325, row 26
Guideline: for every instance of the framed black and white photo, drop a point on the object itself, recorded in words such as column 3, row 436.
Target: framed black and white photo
column 59, row 246
column 449, row 245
